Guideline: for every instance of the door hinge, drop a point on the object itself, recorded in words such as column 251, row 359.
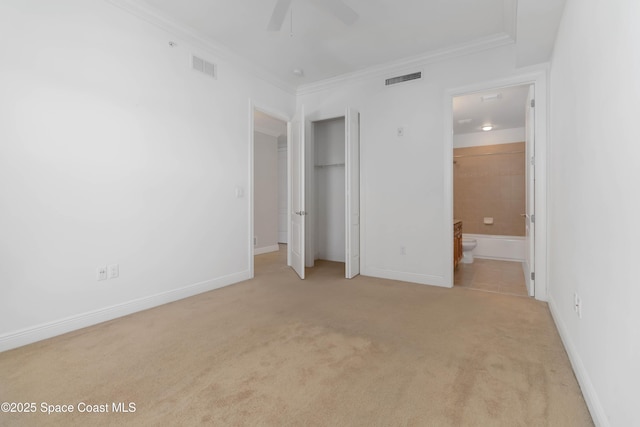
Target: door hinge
column 533, row 161
column 533, row 218
column 533, row 275
column 533, row 103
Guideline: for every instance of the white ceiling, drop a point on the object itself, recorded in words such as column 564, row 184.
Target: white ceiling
column 385, row 31
column 506, row 112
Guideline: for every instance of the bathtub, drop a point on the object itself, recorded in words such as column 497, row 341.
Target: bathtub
column 508, row 248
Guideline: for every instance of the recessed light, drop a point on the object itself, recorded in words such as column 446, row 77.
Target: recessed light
column 298, row 72
column 487, row 128
column 464, row 121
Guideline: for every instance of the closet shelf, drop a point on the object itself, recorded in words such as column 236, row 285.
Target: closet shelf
column 329, row 165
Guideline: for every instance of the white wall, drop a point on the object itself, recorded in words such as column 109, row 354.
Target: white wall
column 112, row 150
column 594, row 202
column 404, row 178
column 477, row 139
column 329, row 214
column 283, row 214
column 265, row 193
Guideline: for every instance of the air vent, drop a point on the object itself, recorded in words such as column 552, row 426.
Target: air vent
column 203, row 66
column 402, row 79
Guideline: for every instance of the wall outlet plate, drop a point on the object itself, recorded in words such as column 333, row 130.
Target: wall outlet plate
column 113, row 271
column 101, row 273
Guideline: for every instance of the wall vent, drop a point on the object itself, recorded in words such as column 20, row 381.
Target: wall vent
column 402, row 79
column 203, row 66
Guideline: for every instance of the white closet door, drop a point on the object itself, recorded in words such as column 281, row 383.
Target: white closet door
column 352, row 193
column 296, row 247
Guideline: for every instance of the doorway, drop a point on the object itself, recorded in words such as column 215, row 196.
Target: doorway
column 300, row 214
column 333, row 187
column 339, row 153
column 327, row 178
column 270, row 144
column 494, row 188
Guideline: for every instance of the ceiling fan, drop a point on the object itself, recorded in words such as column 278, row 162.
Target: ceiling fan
column 336, row 8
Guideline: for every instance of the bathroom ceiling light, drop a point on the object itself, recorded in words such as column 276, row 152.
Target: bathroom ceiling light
column 487, row 128
column 298, row 72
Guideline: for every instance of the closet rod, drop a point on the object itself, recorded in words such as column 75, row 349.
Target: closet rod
column 487, row 154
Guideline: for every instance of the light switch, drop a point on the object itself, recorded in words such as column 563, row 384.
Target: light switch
column 239, row 192
column 101, row 273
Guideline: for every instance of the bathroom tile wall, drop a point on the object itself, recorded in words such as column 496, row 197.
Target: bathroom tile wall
column 490, row 186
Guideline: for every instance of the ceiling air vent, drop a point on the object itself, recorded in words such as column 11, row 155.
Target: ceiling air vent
column 402, row 79
column 203, row 66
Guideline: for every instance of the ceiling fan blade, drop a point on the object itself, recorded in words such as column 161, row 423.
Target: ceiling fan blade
column 338, row 9
column 279, row 13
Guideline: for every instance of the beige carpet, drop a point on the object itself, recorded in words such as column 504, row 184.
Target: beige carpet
column 277, row 351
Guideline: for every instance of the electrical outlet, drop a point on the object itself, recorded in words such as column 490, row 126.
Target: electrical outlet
column 113, row 271
column 403, row 250
column 101, row 273
column 400, row 131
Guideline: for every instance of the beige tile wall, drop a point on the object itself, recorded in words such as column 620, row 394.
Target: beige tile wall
column 490, row 186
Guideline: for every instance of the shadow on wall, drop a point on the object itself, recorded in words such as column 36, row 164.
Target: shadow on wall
column 489, row 182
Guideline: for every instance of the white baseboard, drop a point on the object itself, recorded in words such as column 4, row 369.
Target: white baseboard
column 266, row 250
column 72, row 323
column 497, row 258
column 422, row 279
column 588, row 391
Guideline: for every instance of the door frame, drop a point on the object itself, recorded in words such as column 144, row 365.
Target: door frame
column 285, row 118
column 540, row 81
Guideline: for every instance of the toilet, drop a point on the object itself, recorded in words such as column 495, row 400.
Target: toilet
column 468, row 245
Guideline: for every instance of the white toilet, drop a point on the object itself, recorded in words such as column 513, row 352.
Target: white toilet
column 468, row 245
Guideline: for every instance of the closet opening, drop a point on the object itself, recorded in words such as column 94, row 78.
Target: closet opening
column 329, row 191
column 333, row 188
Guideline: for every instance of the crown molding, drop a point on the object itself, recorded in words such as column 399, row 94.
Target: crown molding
column 417, row 61
column 152, row 16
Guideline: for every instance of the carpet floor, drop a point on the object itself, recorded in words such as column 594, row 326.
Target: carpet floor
column 326, row 351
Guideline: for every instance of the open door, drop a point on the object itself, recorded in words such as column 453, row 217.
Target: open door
column 352, row 193
column 296, row 246
column 529, row 270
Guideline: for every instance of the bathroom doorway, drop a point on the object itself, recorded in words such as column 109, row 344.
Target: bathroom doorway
column 494, row 188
